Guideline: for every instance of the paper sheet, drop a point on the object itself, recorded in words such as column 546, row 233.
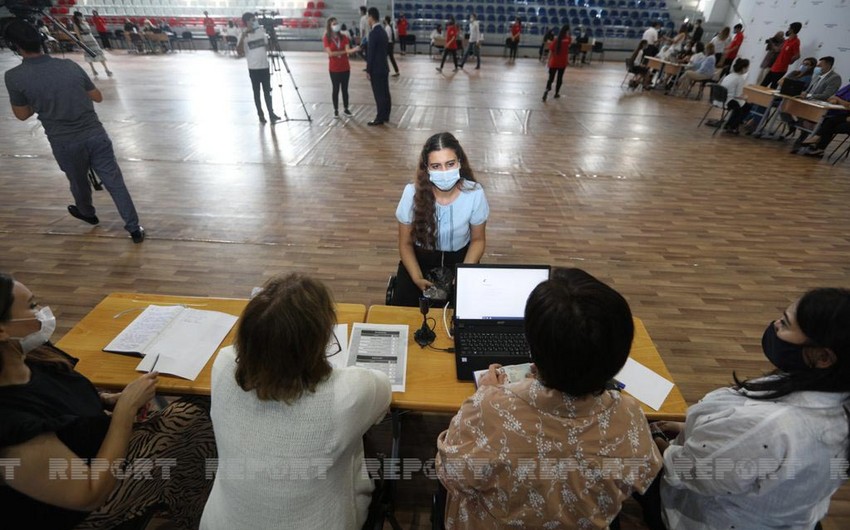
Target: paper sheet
column 643, row 384
column 185, row 346
column 144, row 329
column 381, row 347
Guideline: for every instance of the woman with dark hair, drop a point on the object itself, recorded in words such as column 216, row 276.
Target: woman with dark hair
column 768, row 452
column 442, row 216
column 53, row 418
column 640, row 73
column 84, row 33
column 558, row 58
column 452, row 35
column 302, row 466
column 337, row 46
column 534, row 453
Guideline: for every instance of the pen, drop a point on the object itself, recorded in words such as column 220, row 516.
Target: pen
column 619, row 384
column 154, row 363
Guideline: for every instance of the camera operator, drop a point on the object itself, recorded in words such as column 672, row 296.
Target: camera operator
column 254, row 45
column 61, row 93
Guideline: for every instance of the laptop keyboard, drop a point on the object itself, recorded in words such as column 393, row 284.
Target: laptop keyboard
column 483, row 343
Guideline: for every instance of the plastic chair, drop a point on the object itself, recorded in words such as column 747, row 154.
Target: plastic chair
column 598, row 47
column 718, row 97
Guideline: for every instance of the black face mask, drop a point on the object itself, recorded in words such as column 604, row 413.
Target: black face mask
column 784, row 355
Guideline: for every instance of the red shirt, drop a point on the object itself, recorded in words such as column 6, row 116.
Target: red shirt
column 99, row 24
column 209, row 24
column 734, row 46
column 516, row 29
column 559, row 59
column 790, row 50
column 337, row 44
column 402, row 27
column 451, row 37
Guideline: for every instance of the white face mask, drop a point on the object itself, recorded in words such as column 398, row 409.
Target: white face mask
column 37, row 338
column 444, row 180
column 255, row 25
column 335, row 28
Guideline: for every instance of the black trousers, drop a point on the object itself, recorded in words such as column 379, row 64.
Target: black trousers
column 406, row 292
column 104, row 38
column 737, row 114
column 381, row 91
column 552, row 73
column 446, row 53
column 772, row 79
column 391, row 56
column 830, row 127
column 340, row 80
column 262, row 77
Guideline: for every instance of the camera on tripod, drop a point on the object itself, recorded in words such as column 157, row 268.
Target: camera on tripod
column 266, row 19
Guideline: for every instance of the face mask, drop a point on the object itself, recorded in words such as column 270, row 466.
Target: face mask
column 817, row 71
column 803, row 67
column 255, row 25
column 335, row 28
column 783, row 355
column 36, row 339
column 445, row 180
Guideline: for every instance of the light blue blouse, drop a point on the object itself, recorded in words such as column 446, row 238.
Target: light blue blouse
column 453, row 220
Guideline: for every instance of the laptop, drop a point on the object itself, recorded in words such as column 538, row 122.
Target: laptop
column 792, row 87
column 489, row 315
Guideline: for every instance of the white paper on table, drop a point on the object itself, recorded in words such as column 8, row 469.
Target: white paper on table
column 144, row 329
column 339, row 360
column 643, row 384
column 186, row 345
column 381, row 347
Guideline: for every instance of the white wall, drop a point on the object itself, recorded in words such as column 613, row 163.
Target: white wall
column 826, row 29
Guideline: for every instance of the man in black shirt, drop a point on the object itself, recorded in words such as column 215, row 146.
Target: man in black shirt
column 61, row 93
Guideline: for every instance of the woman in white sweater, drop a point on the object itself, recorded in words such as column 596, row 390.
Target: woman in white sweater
column 288, row 426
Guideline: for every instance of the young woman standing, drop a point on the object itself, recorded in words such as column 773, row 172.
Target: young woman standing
column 336, row 45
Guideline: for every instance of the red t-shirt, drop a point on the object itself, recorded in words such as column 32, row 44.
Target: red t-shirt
column 339, row 63
column 209, row 24
column 559, row 59
column 402, row 27
column 790, row 49
column 451, row 37
column 516, row 29
column 734, row 46
column 99, row 24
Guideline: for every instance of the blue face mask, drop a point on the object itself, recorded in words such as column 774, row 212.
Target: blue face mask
column 444, row 180
column 255, row 25
column 817, row 71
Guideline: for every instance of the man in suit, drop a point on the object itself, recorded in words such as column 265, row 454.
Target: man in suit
column 825, row 83
column 377, row 70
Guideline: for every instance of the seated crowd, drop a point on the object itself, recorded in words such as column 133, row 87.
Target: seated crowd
column 813, row 80
column 279, row 444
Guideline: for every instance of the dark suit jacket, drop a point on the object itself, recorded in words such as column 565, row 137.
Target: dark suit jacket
column 376, row 52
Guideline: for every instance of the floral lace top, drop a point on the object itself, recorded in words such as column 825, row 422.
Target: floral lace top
column 526, row 456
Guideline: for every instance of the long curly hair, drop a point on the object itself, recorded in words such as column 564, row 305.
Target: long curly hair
column 424, row 204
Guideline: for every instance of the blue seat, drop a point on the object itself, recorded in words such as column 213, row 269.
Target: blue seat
column 501, row 19
column 479, row 10
column 599, row 33
column 535, row 30
column 651, row 4
column 627, row 22
column 631, row 34
column 616, row 22
column 500, row 10
column 593, row 13
column 662, row 5
column 562, row 12
column 574, row 22
column 532, row 20
column 614, row 13
column 449, row 8
column 491, row 28
column 491, row 19
column 585, row 22
column 490, row 10
column 596, row 21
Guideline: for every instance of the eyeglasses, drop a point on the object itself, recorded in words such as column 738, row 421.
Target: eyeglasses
column 336, row 349
column 451, row 164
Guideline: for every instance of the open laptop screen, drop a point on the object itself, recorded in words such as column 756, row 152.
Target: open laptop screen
column 496, row 293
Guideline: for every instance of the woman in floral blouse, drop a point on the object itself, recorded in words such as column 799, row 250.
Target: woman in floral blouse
column 556, row 450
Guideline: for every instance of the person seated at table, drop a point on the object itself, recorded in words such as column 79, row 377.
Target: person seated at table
column 54, row 419
column 702, row 70
column 803, row 74
column 836, row 122
column 825, row 83
column 533, row 453
column 134, row 38
column 441, row 216
column 638, row 69
column 770, row 451
column 289, row 426
column 734, row 84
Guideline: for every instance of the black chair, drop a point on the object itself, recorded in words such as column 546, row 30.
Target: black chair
column 391, row 283
column 185, row 38
column 119, row 37
column 598, row 47
column 718, row 97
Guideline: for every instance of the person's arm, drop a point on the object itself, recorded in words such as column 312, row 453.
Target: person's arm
column 408, row 256
column 22, row 112
column 477, row 243
column 95, row 95
column 46, row 460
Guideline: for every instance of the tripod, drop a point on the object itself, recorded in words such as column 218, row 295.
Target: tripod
column 277, row 59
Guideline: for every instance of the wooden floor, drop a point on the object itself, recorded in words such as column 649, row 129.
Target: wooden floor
column 707, row 237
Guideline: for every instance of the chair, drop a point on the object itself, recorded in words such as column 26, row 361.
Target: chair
column 598, row 47
column 718, row 97
column 844, row 155
column 185, row 38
